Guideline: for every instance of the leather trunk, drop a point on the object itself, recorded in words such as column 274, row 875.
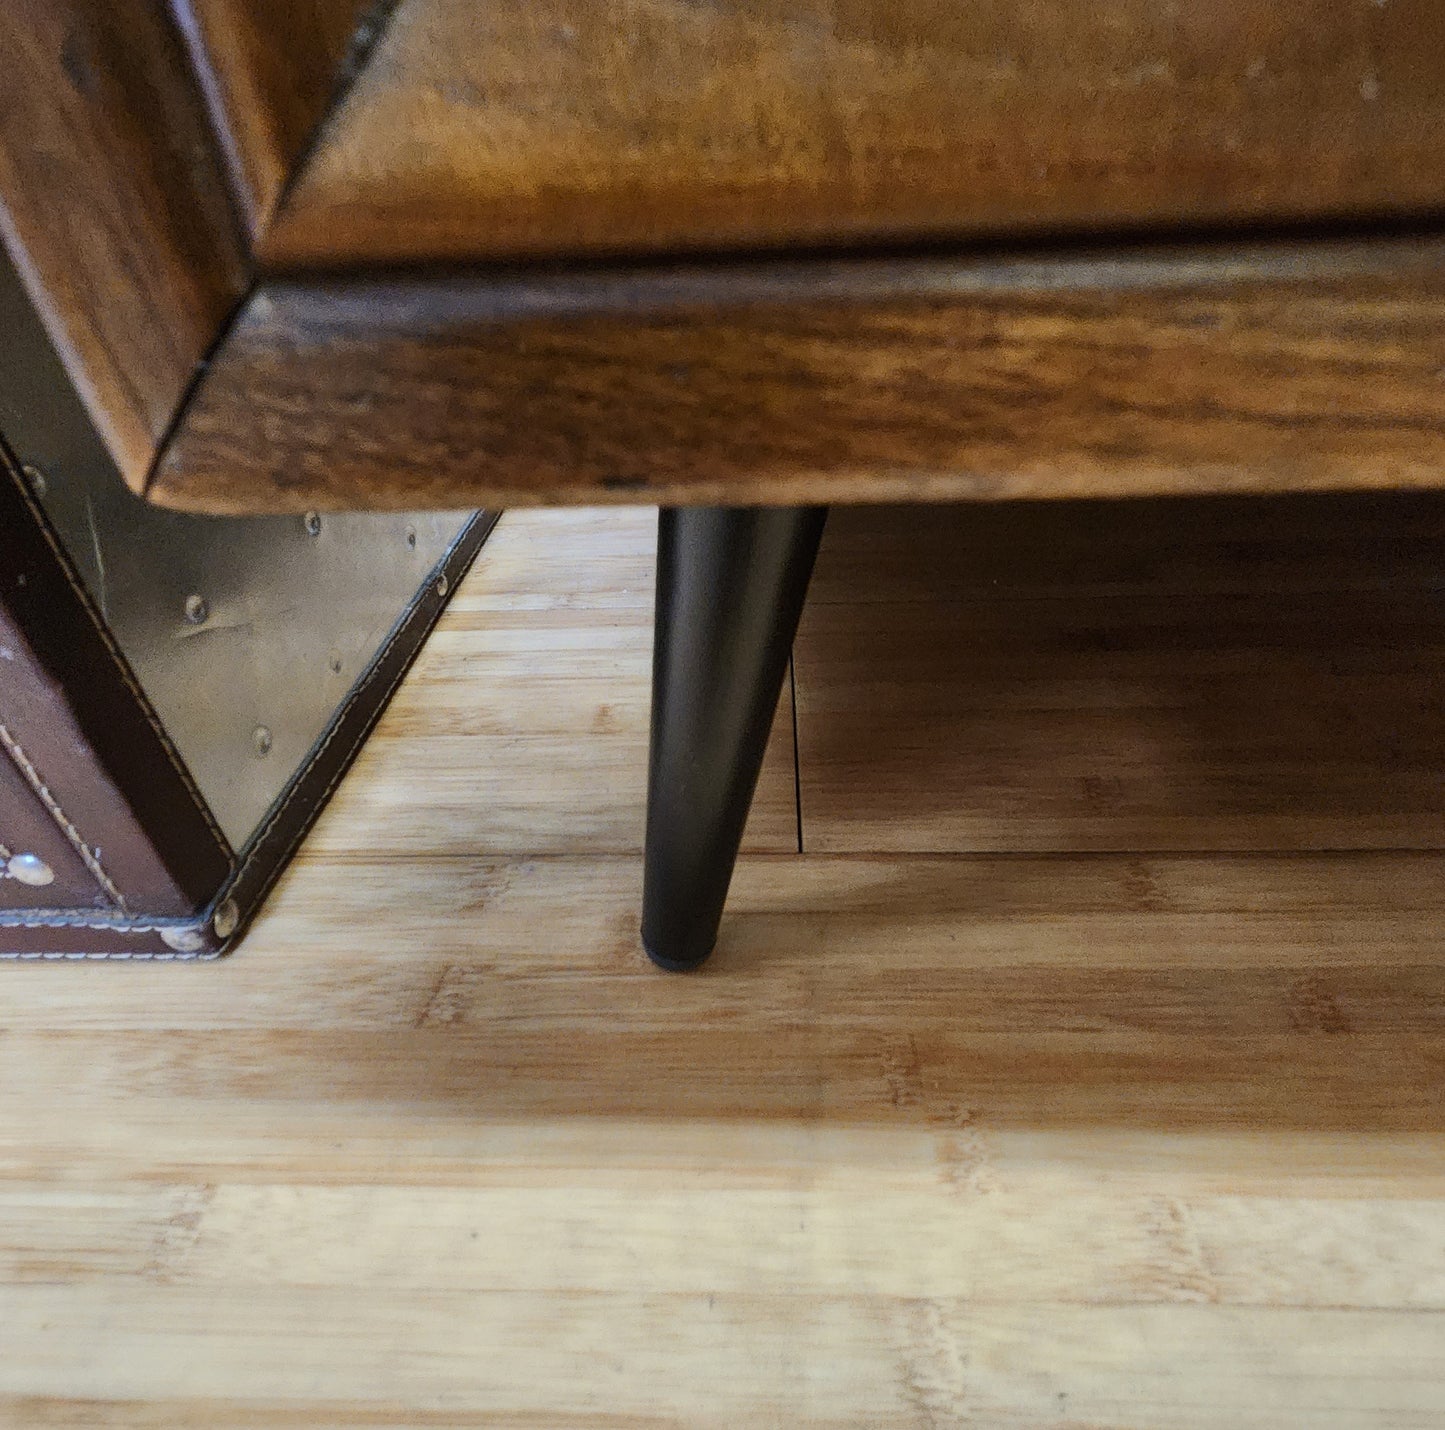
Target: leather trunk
column 178, row 695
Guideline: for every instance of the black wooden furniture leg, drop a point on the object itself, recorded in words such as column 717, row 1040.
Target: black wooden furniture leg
column 730, row 589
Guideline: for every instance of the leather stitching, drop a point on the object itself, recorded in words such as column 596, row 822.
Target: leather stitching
column 60, row 919
column 96, row 922
column 399, row 632
column 123, row 670
column 122, row 955
column 89, row 856
column 418, row 611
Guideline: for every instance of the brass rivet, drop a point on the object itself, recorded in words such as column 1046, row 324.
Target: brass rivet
column 30, row 869
column 228, row 916
column 183, row 940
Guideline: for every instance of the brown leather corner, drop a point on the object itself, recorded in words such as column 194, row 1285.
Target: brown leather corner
column 28, row 828
column 76, row 728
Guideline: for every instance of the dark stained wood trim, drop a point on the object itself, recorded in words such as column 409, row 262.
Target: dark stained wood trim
column 570, row 130
column 269, row 71
column 143, row 147
column 1227, row 368
column 115, row 208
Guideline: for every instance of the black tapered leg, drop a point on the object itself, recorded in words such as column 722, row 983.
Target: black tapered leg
column 730, row 589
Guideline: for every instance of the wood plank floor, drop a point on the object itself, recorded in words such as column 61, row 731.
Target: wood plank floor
column 1085, row 1070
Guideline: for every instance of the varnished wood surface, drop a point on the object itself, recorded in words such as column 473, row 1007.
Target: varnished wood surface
column 1212, row 674
column 269, row 70
column 555, row 128
column 1140, row 1139
column 1121, row 373
column 143, row 147
column 154, row 164
column 544, row 662
column 115, row 207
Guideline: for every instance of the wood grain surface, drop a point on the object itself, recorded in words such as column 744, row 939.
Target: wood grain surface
column 1220, row 673
column 555, row 128
column 1122, row 373
column 566, row 734
column 114, row 205
column 154, row 160
column 269, row 70
column 1144, row 1140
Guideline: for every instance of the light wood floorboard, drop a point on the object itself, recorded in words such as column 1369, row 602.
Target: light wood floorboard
column 1005, row 1105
